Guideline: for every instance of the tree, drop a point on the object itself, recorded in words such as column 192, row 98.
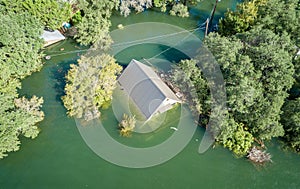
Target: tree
column 21, row 120
column 127, row 125
column 258, row 71
column 162, row 4
column 179, row 10
column 94, row 27
column 179, row 7
column 291, row 122
column 137, row 5
column 278, row 16
column 20, row 50
column 270, row 56
column 242, row 19
column 236, row 138
column 281, row 17
column 187, row 76
column 51, row 13
column 19, row 57
column 89, row 85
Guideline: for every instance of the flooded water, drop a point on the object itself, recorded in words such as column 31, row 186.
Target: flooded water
column 59, row 157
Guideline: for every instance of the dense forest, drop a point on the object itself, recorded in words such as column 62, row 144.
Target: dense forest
column 255, row 46
column 20, row 55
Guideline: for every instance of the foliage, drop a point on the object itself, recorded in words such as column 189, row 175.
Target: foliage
column 127, row 125
column 94, row 27
column 76, row 18
column 258, row 73
column 19, row 121
column 19, row 57
column 51, row 13
column 238, row 139
column 295, row 91
column 137, row 5
column 281, row 16
column 270, row 56
column 162, row 4
column 89, row 85
column 291, row 122
column 179, row 10
column 269, row 31
column 187, row 76
column 242, row 19
column 276, row 15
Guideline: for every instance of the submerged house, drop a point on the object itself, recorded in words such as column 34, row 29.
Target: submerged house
column 51, row 37
column 149, row 93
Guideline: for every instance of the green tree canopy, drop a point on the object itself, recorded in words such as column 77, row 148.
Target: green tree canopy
column 19, row 57
column 258, row 72
column 187, row 76
column 242, row 19
column 236, row 138
column 179, row 7
column 137, row 5
column 89, row 85
column 20, row 50
column 51, row 13
column 94, row 27
column 279, row 16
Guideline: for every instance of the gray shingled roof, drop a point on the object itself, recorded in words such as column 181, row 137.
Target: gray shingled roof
column 145, row 87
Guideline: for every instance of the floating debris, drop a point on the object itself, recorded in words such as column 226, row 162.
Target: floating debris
column 174, row 128
column 120, row 26
column 258, row 156
column 48, row 57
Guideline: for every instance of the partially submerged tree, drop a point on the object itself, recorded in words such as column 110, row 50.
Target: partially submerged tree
column 258, row 72
column 188, row 78
column 127, row 125
column 137, row 5
column 179, row 7
column 94, row 26
column 179, row 10
column 269, row 32
column 242, row 19
column 19, row 57
column 89, row 85
column 236, row 138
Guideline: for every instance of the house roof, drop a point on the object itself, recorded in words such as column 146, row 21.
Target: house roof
column 52, row 37
column 145, row 87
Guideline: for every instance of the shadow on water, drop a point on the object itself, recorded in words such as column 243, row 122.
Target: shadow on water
column 148, row 51
column 172, row 54
column 58, row 74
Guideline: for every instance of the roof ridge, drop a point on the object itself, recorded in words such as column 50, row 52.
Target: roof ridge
column 150, row 77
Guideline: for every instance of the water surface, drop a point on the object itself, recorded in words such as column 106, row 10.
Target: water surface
column 59, row 158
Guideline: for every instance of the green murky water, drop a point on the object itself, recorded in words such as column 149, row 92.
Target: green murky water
column 59, row 158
